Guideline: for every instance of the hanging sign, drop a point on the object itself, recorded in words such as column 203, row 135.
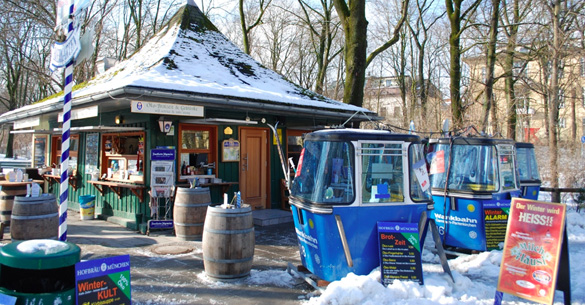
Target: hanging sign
column 103, row 281
column 530, row 260
column 400, row 257
column 161, row 154
column 166, row 108
column 64, row 52
column 420, row 170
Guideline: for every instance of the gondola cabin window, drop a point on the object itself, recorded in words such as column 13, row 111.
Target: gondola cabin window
column 382, row 172
column 123, row 157
column 325, row 173
column 507, row 167
column 476, row 169
column 197, row 150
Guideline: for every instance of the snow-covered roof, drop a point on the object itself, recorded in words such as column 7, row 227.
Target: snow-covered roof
column 190, row 56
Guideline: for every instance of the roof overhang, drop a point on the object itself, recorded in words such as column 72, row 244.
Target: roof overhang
column 79, row 130
column 121, row 98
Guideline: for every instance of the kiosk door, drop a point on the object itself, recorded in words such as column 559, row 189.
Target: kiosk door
column 254, row 167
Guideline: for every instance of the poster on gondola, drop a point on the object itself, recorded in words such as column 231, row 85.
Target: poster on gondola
column 530, row 259
column 400, row 253
column 495, row 215
column 103, row 281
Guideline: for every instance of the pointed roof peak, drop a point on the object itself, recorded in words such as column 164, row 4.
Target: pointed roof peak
column 190, row 17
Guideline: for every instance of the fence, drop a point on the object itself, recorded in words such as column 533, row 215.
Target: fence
column 557, row 191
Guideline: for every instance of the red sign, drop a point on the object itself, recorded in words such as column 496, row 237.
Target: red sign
column 532, row 249
column 438, row 163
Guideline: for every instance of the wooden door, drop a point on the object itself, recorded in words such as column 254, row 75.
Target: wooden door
column 254, row 167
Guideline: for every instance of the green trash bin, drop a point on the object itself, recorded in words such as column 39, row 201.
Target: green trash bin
column 87, row 207
column 39, row 271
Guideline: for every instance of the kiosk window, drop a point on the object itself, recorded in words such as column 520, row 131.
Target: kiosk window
column 73, row 150
column 123, row 156
column 197, row 149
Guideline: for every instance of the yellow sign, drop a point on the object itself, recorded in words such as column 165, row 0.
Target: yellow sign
column 279, row 131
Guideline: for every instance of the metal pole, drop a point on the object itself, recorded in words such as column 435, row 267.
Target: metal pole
column 64, row 188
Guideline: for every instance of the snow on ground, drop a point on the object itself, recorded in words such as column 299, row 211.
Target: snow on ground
column 476, row 278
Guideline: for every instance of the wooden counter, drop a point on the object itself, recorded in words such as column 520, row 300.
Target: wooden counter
column 116, row 187
column 24, row 183
column 72, row 179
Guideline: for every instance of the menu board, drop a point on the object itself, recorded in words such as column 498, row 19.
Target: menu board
column 400, row 251
column 40, row 151
column 92, row 152
column 530, row 259
column 496, row 221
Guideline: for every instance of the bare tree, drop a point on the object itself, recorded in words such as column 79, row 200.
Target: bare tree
column 563, row 15
column 490, row 67
column 323, row 28
column 420, row 37
column 24, row 40
column 458, row 19
column 512, row 15
column 247, row 26
column 354, row 23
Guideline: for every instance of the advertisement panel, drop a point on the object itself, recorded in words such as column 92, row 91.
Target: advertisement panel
column 495, row 221
column 532, row 249
column 103, row 281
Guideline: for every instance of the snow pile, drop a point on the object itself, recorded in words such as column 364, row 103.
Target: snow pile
column 279, row 278
column 42, row 246
column 476, row 279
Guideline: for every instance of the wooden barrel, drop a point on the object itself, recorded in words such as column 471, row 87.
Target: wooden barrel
column 7, row 194
column 228, row 242
column 35, row 218
column 189, row 212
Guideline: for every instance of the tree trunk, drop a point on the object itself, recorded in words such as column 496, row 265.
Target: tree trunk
column 554, row 101
column 453, row 12
column 455, row 81
column 355, row 28
column 245, row 39
column 490, row 66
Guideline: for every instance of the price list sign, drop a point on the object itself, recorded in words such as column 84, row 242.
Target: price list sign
column 400, row 257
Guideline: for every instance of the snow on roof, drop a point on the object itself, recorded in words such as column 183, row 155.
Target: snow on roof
column 190, row 55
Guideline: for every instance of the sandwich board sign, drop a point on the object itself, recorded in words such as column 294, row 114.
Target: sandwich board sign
column 535, row 253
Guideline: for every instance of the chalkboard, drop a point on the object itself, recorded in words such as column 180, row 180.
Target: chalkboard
column 399, row 252
column 92, row 152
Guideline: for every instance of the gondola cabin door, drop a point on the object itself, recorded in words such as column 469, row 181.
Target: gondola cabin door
column 254, row 162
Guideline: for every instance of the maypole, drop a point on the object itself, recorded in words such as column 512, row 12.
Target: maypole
column 64, row 54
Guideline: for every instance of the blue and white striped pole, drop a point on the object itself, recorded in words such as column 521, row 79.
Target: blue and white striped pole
column 64, row 189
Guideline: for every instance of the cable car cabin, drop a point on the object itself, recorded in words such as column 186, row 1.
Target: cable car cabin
column 528, row 171
column 473, row 181
column 346, row 181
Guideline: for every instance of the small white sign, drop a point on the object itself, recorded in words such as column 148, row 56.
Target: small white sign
column 81, row 113
column 422, row 175
column 167, row 108
column 28, row 122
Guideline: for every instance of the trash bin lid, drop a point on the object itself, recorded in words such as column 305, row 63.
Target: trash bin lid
column 40, row 254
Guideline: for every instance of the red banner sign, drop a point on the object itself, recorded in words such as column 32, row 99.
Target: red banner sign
column 532, row 249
